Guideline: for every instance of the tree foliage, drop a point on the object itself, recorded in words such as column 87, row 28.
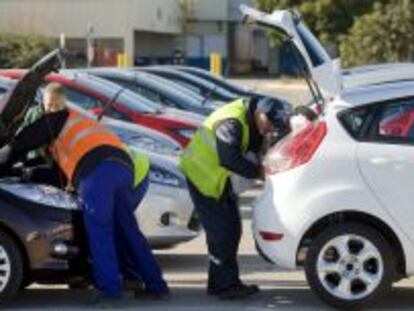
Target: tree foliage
column 384, row 35
column 21, row 51
column 366, row 31
column 327, row 18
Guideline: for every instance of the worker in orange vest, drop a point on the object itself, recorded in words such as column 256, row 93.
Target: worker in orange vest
column 100, row 169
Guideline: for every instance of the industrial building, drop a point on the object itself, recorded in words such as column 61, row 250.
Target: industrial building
column 146, row 31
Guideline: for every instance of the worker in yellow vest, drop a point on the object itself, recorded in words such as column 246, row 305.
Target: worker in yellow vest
column 110, row 182
column 217, row 150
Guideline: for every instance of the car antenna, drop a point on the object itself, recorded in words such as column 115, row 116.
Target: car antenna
column 109, row 104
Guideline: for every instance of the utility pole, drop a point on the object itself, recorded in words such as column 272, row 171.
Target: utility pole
column 62, row 45
column 90, row 51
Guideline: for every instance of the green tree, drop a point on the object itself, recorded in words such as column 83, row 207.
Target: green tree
column 327, row 18
column 20, row 51
column 384, row 35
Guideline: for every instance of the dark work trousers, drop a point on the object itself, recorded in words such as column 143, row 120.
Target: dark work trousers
column 222, row 224
column 109, row 201
column 127, row 264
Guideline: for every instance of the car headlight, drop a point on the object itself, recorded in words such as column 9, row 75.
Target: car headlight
column 161, row 176
column 150, row 144
column 187, row 133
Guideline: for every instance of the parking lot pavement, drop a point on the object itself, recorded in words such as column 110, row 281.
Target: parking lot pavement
column 185, row 270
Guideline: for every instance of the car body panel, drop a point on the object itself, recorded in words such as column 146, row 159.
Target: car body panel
column 37, row 225
column 331, row 182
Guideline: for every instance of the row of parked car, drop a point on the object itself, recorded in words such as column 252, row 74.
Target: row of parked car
column 155, row 110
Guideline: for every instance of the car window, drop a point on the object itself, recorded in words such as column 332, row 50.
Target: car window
column 312, row 45
column 353, row 120
column 168, row 102
column 189, row 86
column 396, row 122
column 82, row 100
column 135, row 88
column 179, row 80
column 2, row 91
column 150, row 94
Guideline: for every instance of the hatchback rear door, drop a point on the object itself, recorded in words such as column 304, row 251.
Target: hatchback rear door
column 324, row 71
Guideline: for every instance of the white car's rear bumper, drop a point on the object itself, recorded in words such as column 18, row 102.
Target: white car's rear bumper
column 166, row 216
column 267, row 224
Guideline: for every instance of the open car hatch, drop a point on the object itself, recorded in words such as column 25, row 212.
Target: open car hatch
column 14, row 104
column 321, row 68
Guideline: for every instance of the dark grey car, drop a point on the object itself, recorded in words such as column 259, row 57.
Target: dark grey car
column 158, row 89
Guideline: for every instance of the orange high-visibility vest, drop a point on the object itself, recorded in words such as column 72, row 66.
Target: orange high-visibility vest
column 79, row 136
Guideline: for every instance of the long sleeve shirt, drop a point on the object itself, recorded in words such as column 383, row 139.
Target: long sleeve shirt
column 229, row 145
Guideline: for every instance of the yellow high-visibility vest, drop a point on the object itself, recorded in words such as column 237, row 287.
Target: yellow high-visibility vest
column 200, row 160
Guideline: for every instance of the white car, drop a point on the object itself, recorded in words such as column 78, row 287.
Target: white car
column 338, row 196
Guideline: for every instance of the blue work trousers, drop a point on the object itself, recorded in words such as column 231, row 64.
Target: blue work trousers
column 109, row 203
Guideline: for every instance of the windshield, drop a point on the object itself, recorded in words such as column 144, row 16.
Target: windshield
column 315, row 50
column 176, row 89
column 205, row 75
column 133, row 101
column 203, row 87
column 5, row 86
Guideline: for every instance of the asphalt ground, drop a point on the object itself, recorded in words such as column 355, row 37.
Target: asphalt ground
column 185, row 270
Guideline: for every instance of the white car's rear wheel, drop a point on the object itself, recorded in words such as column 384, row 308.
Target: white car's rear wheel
column 349, row 265
column 11, row 268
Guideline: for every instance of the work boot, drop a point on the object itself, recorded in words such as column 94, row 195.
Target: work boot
column 148, row 295
column 133, row 285
column 239, row 291
column 101, row 301
column 212, row 291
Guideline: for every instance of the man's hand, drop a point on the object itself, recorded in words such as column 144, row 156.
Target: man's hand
column 5, row 153
column 262, row 173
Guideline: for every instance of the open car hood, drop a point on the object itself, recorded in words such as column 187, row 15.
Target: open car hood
column 14, row 104
column 322, row 69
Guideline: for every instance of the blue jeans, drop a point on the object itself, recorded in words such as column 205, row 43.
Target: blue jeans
column 109, row 203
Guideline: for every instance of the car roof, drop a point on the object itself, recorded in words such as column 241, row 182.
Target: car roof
column 363, row 95
column 161, row 85
column 109, row 89
column 190, row 78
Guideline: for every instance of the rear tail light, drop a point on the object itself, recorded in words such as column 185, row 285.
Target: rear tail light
column 295, row 149
column 271, row 236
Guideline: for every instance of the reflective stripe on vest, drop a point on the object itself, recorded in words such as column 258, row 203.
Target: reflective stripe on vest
column 79, row 136
column 200, row 161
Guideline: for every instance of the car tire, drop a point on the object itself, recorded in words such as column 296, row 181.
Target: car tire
column 11, row 268
column 350, row 265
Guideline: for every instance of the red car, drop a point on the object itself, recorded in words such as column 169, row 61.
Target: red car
column 398, row 124
column 110, row 100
